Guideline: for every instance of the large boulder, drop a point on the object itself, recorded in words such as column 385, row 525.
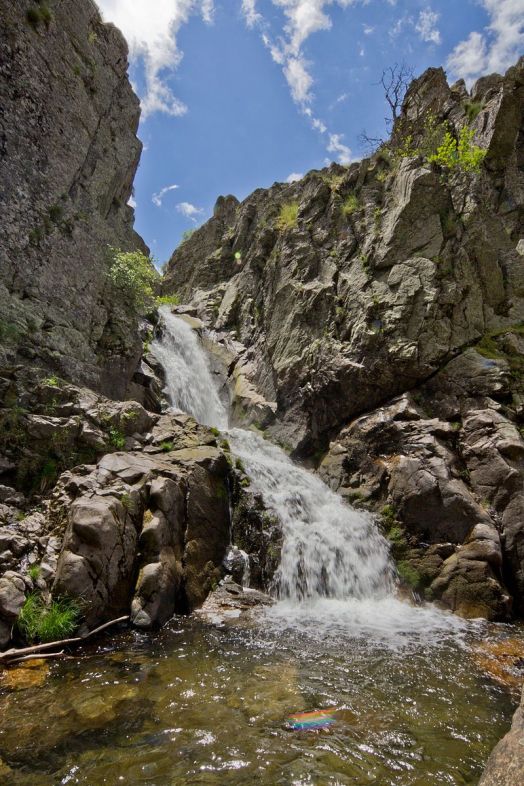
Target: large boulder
column 505, row 766
column 145, row 531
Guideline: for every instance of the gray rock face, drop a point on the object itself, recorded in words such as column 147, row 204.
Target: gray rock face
column 152, row 527
column 505, row 766
column 68, row 154
column 391, row 268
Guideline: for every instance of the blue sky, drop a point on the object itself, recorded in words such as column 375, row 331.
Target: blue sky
column 238, row 94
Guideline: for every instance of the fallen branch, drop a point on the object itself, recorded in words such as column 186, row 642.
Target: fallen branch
column 8, row 655
column 37, row 656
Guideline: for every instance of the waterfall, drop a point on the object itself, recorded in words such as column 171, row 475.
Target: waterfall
column 189, row 383
column 329, row 549
column 335, row 572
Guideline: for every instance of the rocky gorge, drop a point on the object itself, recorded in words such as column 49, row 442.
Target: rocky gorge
column 367, row 319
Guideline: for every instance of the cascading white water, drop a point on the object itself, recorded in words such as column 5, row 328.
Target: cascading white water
column 335, row 574
column 329, row 549
column 189, row 383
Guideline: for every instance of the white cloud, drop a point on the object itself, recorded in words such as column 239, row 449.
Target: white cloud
column 318, row 125
column 337, row 146
column 157, row 198
column 132, row 202
column 294, row 177
column 303, row 18
column 368, row 29
column 152, row 36
column 426, row 26
column 299, row 79
column 189, row 211
column 249, row 9
column 468, row 57
column 495, row 48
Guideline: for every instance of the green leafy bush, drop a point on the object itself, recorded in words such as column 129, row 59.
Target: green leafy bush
column 39, row 14
column 116, row 438
column 409, row 574
column 459, row 154
column 287, row 218
column 43, row 622
column 187, row 234
column 166, row 446
column 134, row 276
column 473, row 108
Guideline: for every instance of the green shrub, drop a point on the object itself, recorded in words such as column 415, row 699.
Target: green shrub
column 473, row 108
column 34, row 572
column 409, row 574
column 166, row 446
column 116, row 438
column 350, row 205
column 187, row 234
column 9, row 332
column 134, row 276
column 51, row 381
column 43, row 622
column 168, row 300
column 459, row 154
column 128, row 503
column 288, row 216
column 40, row 14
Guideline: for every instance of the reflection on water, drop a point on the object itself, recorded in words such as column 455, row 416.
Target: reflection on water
column 202, row 705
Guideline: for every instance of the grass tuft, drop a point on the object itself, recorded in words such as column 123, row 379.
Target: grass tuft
column 288, row 216
column 43, row 622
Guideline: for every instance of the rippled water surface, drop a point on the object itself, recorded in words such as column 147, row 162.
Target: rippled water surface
column 196, row 704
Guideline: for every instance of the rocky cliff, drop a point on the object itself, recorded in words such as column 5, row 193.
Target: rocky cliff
column 99, row 498
column 68, row 155
column 371, row 319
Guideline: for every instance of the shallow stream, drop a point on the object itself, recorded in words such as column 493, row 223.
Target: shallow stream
column 196, row 704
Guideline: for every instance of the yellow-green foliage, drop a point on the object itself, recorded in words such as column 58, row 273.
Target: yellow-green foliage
column 459, row 154
column 350, row 205
column 287, row 218
column 134, row 276
column 168, row 300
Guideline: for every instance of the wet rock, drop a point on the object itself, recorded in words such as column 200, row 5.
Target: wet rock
column 12, row 595
column 405, row 465
column 505, row 766
column 230, row 601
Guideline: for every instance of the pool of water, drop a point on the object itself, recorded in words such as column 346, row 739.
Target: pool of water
column 198, row 704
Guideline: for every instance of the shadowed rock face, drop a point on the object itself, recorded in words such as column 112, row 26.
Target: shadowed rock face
column 68, row 155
